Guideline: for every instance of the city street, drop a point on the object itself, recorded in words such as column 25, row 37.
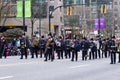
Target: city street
column 13, row 68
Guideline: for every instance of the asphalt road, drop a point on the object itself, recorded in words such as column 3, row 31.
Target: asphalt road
column 13, row 68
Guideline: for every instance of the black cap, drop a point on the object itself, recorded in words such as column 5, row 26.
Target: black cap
column 84, row 38
column 91, row 39
column 42, row 36
column 49, row 34
column 113, row 37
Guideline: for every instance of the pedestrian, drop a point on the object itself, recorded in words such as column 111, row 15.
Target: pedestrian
column 113, row 50
column 104, row 48
column 42, row 43
column 118, row 49
column 67, row 49
column 3, row 46
column 85, row 46
column 49, row 51
column 93, row 48
column 34, row 46
column 23, row 47
column 96, row 41
column 75, row 48
column 59, row 49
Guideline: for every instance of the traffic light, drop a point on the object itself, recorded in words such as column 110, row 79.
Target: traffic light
column 75, row 2
column 69, row 10
column 103, row 9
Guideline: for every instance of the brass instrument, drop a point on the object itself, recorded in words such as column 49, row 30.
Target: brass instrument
column 118, row 48
column 118, row 44
column 48, row 43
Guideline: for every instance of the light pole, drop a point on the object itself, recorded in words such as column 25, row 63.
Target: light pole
column 50, row 16
column 23, row 3
column 98, row 13
column 40, row 13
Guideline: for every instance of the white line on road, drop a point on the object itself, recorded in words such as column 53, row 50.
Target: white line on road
column 73, row 67
column 7, row 77
column 17, row 64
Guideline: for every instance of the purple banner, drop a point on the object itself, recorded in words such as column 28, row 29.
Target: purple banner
column 96, row 24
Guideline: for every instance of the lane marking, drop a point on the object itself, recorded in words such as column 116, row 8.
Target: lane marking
column 7, row 77
column 17, row 64
column 73, row 67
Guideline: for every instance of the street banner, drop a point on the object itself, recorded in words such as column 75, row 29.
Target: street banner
column 97, row 22
column 101, row 23
column 19, row 9
column 28, row 8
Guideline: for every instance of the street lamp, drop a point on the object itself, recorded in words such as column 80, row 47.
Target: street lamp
column 98, row 13
column 50, row 16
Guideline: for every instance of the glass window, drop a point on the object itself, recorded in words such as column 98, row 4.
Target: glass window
column 116, row 3
column 5, row 1
column 39, row 1
column 9, row 10
column 13, row 1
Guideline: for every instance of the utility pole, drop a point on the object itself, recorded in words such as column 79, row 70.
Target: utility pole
column 23, row 3
column 50, row 16
column 40, row 13
column 98, row 13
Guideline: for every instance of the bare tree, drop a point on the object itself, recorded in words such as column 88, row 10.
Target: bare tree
column 39, row 11
column 4, row 11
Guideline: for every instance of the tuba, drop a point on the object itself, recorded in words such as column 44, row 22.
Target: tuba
column 48, row 43
column 118, row 48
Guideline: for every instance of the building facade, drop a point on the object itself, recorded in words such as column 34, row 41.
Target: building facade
column 116, row 15
column 88, row 11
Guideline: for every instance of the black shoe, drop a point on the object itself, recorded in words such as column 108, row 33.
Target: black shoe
column 52, row 60
column 45, row 60
column 72, row 60
column 21, row 58
column 111, row 63
column 32, row 57
column 58, row 58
